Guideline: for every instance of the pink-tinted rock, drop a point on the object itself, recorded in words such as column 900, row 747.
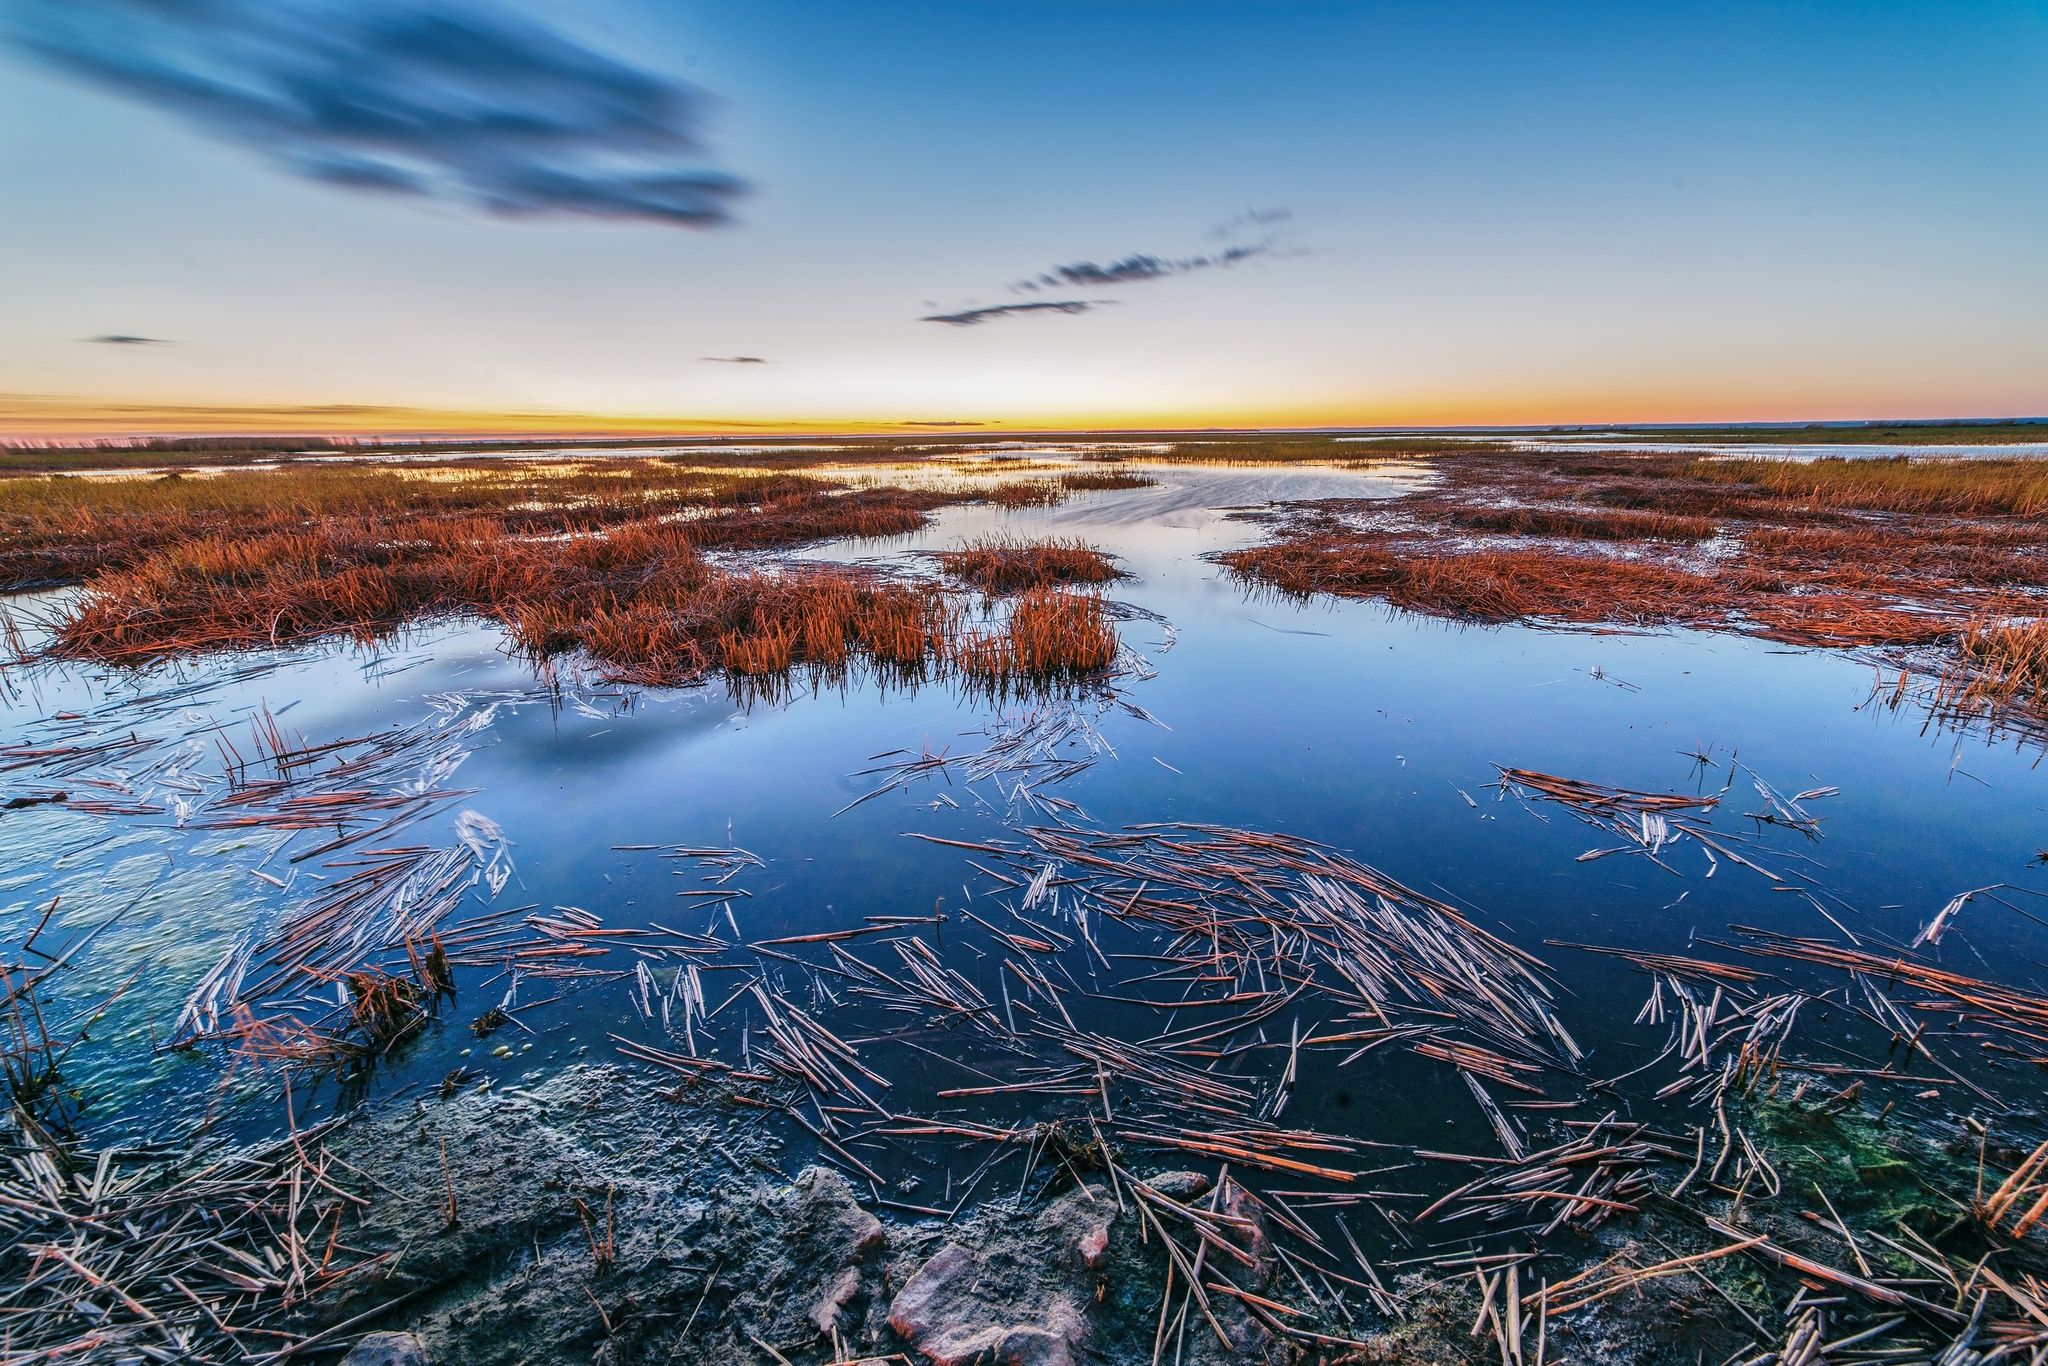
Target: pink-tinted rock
column 387, row 1349
column 1094, row 1245
column 1000, row 1346
column 914, row 1311
column 940, row 1312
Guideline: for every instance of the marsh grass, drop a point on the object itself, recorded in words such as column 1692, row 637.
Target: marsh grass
column 1002, row 564
column 639, row 567
column 1479, row 585
column 1049, row 634
column 1897, row 483
column 1027, row 493
column 1890, row 552
column 63, row 530
column 1585, row 524
column 2000, row 666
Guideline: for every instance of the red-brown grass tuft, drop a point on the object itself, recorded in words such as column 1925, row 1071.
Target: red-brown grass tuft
column 999, row 564
column 1049, row 635
column 1502, row 585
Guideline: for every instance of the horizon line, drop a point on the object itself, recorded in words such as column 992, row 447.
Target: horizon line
column 356, row 425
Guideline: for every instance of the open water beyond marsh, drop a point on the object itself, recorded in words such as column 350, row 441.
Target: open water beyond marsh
column 577, row 849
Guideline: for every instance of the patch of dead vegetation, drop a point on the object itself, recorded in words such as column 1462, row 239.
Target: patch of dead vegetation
column 1884, row 552
column 1004, row 564
column 638, row 565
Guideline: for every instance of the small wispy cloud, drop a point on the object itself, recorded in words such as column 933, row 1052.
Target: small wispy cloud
column 122, row 339
column 735, row 360
column 1242, row 224
column 465, row 103
column 975, row 316
column 1136, row 268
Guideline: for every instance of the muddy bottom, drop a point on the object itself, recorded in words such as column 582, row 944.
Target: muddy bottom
column 593, row 1218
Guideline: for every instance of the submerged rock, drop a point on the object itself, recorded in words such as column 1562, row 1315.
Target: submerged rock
column 956, row 1312
column 387, row 1349
column 603, row 1220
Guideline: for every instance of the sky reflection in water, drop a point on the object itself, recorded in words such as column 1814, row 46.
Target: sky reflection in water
column 1340, row 722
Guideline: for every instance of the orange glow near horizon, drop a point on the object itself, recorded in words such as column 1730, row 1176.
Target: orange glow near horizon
column 57, row 421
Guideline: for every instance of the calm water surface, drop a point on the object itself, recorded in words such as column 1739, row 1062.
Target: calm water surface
column 1342, row 722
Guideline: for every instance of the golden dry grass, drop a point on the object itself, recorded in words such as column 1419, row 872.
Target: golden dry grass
column 1893, row 483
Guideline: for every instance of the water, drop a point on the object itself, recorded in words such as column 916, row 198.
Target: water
column 1371, row 731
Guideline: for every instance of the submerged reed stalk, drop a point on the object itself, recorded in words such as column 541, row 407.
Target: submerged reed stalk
column 1999, row 666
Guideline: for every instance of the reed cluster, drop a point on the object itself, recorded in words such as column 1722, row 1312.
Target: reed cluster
column 2000, row 666
column 1004, row 564
column 1048, row 635
column 1030, row 493
column 1962, row 487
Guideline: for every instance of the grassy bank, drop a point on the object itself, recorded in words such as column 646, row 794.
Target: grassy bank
column 640, row 565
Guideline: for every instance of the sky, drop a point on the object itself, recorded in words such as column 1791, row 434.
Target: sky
column 658, row 215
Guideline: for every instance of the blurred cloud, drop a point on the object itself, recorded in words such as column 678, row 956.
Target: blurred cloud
column 975, row 316
column 1237, row 225
column 735, row 360
column 118, row 339
column 460, row 102
column 1137, row 268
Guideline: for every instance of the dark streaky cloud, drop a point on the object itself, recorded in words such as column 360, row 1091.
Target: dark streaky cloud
column 735, row 360
column 1137, row 268
column 122, row 339
column 444, row 100
column 974, row 316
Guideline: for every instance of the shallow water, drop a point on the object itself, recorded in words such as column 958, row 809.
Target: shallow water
column 1342, row 722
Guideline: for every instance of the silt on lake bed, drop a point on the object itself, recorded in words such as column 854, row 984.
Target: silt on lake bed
column 1411, row 904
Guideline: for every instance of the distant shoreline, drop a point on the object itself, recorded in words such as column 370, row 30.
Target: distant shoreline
column 145, row 452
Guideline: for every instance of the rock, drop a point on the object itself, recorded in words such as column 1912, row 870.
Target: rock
column 827, row 1214
column 1080, row 1221
column 826, row 1312
column 1094, row 1245
column 1239, row 1205
column 387, row 1349
column 915, row 1310
column 940, row 1312
column 1181, row 1186
column 1002, row 1347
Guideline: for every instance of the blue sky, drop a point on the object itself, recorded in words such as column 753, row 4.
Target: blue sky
column 1470, row 214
